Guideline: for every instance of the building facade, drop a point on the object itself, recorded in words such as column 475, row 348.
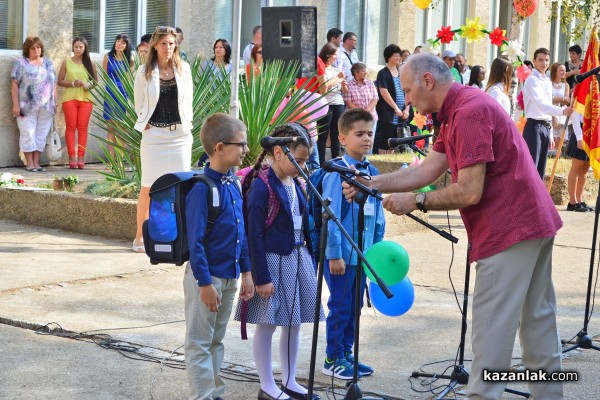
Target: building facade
column 376, row 22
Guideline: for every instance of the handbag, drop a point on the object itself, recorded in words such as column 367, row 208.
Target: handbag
column 54, row 148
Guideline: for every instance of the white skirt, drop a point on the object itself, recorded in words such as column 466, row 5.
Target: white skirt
column 163, row 151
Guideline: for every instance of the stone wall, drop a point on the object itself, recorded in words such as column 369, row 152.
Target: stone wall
column 76, row 212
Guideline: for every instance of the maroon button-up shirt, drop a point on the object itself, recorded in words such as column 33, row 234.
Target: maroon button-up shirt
column 515, row 205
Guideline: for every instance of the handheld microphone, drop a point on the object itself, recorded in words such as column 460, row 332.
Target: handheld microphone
column 269, row 141
column 331, row 166
column 582, row 77
column 395, row 142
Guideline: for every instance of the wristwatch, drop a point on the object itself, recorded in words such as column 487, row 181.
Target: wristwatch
column 420, row 200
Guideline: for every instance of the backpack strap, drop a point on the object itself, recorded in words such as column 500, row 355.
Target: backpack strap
column 274, row 204
column 213, row 206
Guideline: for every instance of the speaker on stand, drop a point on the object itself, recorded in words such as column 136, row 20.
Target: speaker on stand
column 290, row 34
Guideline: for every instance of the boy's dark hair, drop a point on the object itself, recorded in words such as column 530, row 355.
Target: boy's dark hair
column 541, row 50
column 146, row 38
column 528, row 63
column 391, row 50
column 178, row 29
column 219, row 128
column 576, row 49
column 333, row 32
column 352, row 116
column 348, row 35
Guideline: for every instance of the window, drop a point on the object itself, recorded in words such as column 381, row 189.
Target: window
column 333, row 14
column 224, row 16
column 11, row 24
column 100, row 21
column 120, row 17
column 159, row 13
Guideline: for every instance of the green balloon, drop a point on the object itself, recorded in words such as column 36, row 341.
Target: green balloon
column 389, row 260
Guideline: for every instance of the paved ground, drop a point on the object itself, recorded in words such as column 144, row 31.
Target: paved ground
column 85, row 283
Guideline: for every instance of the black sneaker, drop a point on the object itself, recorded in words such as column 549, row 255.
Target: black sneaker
column 571, row 206
column 586, row 206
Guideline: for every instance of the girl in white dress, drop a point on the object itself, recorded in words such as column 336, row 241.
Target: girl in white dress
column 499, row 82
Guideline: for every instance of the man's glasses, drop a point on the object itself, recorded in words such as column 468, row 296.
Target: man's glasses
column 243, row 144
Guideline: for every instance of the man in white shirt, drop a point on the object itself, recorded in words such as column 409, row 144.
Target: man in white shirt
column 348, row 54
column 256, row 39
column 463, row 68
column 334, row 36
column 537, row 96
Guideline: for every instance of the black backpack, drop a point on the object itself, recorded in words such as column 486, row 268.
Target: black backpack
column 165, row 234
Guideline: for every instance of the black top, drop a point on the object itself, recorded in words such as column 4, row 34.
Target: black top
column 385, row 80
column 166, row 112
column 570, row 80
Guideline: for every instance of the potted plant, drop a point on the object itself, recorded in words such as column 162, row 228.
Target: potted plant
column 65, row 183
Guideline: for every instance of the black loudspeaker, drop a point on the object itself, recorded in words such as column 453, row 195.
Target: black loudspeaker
column 290, row 34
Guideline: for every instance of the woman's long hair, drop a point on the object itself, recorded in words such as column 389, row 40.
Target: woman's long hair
column 152, row 61
column 500, row 71
column 475, row 79
column 126, row 52
column 85, row 57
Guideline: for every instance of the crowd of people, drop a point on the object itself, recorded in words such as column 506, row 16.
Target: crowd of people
column 476, row 140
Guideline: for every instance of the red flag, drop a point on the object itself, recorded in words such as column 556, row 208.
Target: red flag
column 587, row 103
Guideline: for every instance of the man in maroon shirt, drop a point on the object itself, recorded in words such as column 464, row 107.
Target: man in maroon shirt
column 510, row 220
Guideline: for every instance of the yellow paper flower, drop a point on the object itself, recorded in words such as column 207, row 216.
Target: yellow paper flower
column 472, row 30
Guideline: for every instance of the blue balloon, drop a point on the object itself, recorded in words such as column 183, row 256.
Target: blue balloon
column 401, row 301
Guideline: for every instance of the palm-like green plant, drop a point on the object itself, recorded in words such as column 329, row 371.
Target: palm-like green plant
column 261, row 95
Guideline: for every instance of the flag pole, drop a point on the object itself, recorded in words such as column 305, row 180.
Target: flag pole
column 558, row 150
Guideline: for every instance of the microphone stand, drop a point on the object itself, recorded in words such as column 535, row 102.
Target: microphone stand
column 328, row 214
column 584, row 340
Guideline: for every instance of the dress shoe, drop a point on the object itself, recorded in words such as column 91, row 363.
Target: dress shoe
column 262, row 395
column 298, row 396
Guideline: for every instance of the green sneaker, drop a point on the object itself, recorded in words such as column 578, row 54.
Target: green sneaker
column 339, row 368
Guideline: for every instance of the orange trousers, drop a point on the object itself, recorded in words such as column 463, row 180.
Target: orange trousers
column 77, row 117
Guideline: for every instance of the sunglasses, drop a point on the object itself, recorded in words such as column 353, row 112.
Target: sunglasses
column 165, row 29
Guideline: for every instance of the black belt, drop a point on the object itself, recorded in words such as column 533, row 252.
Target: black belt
column 540, row 122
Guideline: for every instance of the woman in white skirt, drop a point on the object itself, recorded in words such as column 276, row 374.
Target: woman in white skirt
column 163, row 102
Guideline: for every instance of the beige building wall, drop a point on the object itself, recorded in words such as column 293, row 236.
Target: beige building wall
column 477, row 53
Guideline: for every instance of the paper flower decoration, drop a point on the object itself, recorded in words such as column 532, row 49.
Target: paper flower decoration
column 497, row 37
column 513, row 51
column 445, row 34
column 521, row 124
column 431, row 48
column 472, row 30
column 419, row 120
column 523, row 72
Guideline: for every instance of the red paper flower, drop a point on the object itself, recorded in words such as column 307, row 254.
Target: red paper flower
column 445, row 34
column 497, row 36
column 523, row 72
column 21, row 181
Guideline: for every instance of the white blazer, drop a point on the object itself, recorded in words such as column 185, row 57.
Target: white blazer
column 146, row 95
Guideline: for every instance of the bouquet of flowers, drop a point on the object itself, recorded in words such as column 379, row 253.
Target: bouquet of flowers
column 10, row 180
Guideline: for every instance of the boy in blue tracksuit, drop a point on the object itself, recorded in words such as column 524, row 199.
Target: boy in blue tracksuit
column 216, row 259
column 356, row 134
